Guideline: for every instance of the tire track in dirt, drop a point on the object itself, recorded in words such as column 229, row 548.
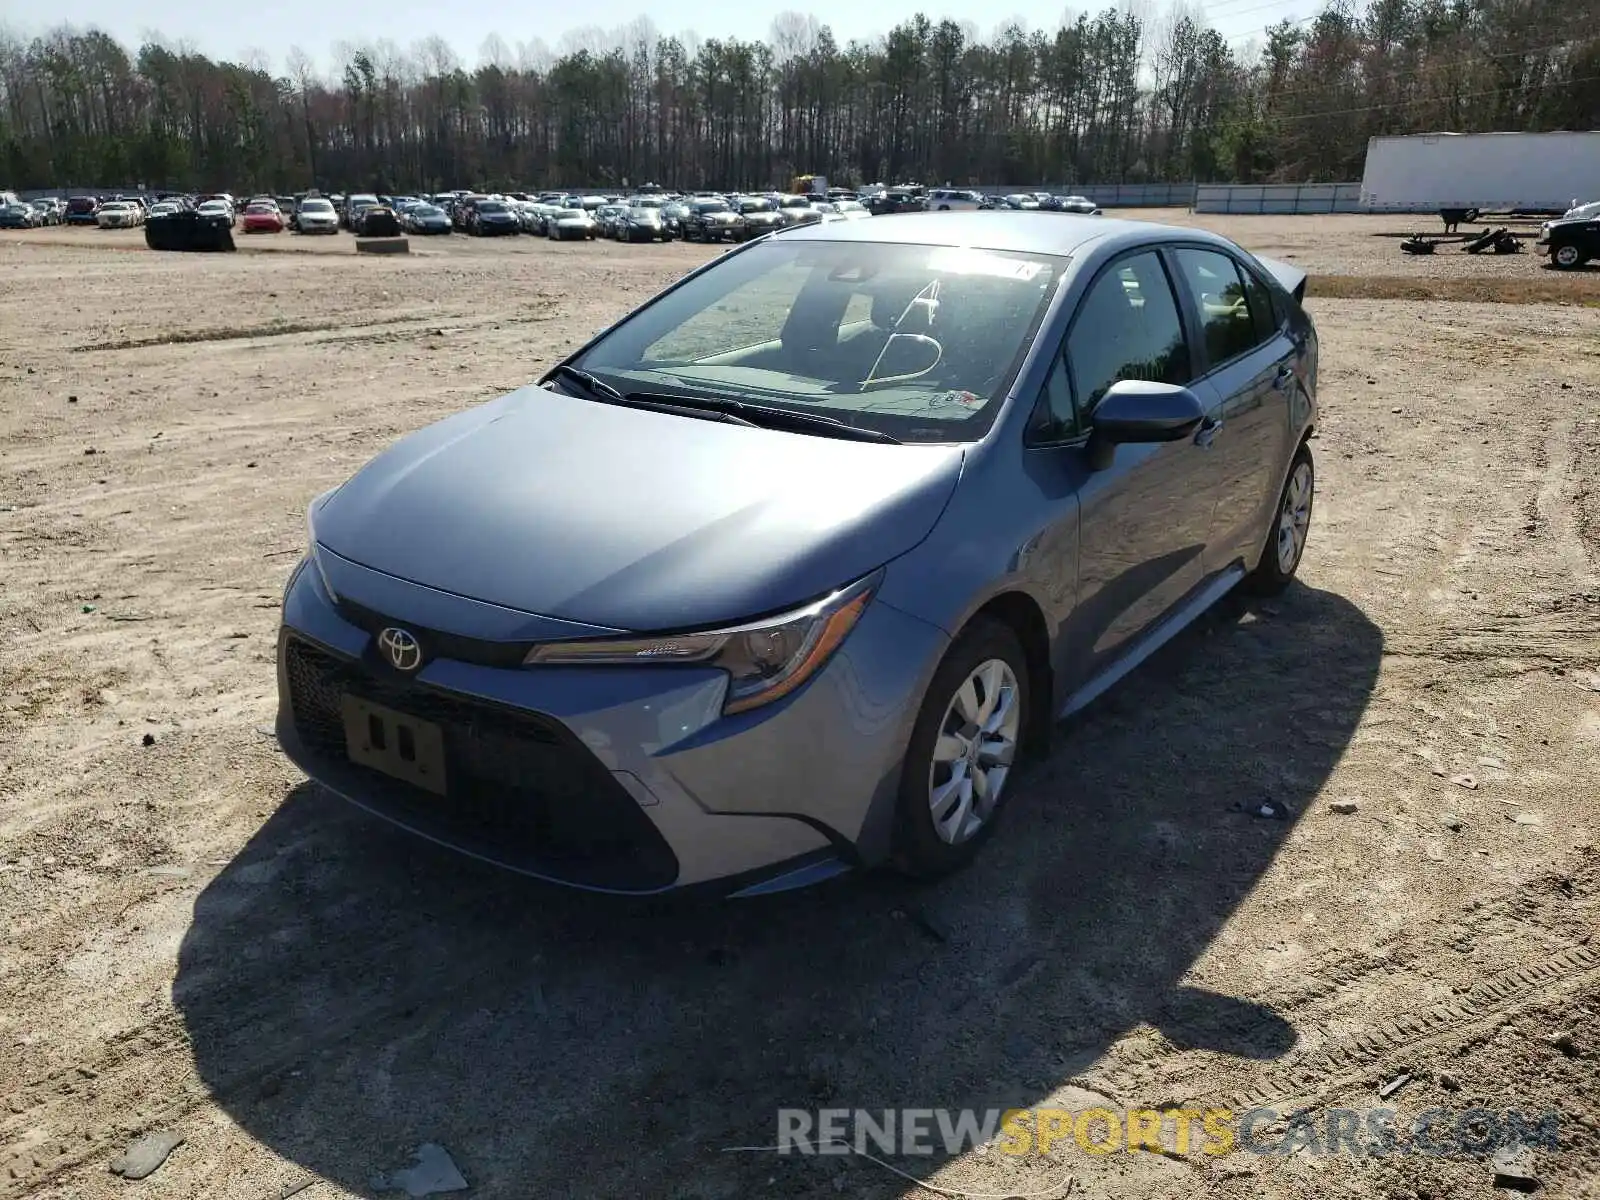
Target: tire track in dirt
column 1558, row 506
column 1319, row 1073
column 1305, row 1077
column 184, row 337
column 1148, row 1072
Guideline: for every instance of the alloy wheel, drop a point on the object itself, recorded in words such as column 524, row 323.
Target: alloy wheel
column 973, row 752
column 1294, row 519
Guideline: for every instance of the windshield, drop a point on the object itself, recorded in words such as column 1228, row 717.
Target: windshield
column 315, row 206
column 427, row 210
column 711, row 206
column 755, row 206
column 1584, row 211
column 644, row 214
column 919, row 342
column 491, row 206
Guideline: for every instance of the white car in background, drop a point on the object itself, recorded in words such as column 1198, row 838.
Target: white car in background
column 218, row 208
column 316, row 215
column 117, row 214
column 1081, row 205
column 955, row 200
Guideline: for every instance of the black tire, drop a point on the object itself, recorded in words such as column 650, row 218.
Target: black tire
column 919, row 849
column 1567, row 258
column 1271, row 575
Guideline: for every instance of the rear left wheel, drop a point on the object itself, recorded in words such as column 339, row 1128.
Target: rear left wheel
column 963, row 750
column 1291, row 525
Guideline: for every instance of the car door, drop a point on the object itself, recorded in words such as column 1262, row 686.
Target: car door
column 1589, row 238
column 1249, row 377
column 1143, row 517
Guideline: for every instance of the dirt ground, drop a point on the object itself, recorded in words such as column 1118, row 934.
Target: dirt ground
column 197, row 940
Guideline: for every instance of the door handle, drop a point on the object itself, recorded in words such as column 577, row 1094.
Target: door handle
column 1283, row 378
column 1209, row 428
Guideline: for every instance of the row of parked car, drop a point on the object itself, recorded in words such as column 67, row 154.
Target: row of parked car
column 647, row 216
column 105, row 212
column 29, row 214
column 652, row 214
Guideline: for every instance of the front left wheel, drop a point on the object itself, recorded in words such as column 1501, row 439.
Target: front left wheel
column 1567, row 257
column 963, row 751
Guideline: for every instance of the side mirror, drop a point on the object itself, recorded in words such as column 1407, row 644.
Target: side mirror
column 1136, row 410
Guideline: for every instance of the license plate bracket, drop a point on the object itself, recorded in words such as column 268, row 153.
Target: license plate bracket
column 396, row 743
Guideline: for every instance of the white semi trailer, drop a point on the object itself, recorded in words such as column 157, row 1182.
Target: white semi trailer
column 1460, row 175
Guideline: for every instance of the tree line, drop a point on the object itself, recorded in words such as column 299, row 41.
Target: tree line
column 1105, row 98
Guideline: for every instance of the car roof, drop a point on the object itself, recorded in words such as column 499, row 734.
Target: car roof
column 1036, row 232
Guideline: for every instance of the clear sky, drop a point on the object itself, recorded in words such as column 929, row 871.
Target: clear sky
column 232, row 29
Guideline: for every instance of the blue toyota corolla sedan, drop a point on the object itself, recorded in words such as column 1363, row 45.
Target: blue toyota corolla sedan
column 784, row 572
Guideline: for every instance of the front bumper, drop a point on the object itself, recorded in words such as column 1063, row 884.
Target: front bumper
column 615, row 779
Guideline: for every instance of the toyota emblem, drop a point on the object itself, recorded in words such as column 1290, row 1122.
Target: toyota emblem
column 401, row 648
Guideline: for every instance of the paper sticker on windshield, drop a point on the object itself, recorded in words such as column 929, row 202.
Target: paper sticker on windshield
column 965, row 399
column 956, row 261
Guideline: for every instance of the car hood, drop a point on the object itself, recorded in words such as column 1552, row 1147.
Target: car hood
column 633, row 519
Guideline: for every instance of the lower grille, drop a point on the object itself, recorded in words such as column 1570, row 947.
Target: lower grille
column 522, row 790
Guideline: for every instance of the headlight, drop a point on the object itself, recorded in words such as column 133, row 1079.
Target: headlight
column 765, row 660
column 311, row 538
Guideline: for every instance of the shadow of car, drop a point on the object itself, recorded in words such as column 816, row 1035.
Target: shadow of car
column 350, row 991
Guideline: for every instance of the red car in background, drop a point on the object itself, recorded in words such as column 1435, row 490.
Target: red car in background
column 263, row 218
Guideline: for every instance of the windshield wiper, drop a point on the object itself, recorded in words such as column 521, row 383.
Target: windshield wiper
column 733, row 411
column 772, row 418
column 598, row 389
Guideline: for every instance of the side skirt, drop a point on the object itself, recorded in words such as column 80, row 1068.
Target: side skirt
column 1162, row 633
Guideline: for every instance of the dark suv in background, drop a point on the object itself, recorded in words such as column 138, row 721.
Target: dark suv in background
column 1574, row 239
column 898, row 200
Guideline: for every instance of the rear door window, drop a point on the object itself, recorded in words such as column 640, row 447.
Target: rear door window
column 1213, row 282
column 1263, row 312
